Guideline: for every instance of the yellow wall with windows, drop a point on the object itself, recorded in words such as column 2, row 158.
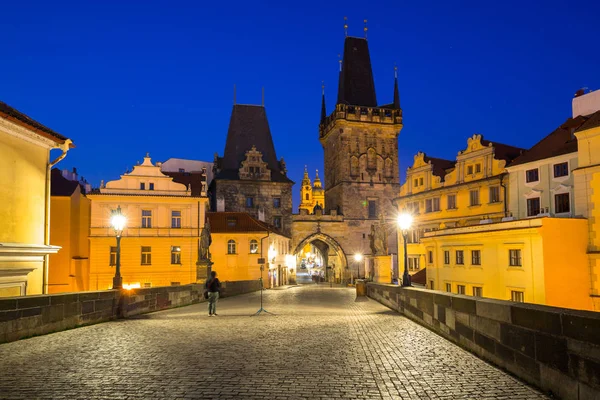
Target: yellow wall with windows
column 548, row 273
column 475, row 169
column 25, row 156
column 243, row 264
column 587, row 199
column 69, row 228
column 160, row 271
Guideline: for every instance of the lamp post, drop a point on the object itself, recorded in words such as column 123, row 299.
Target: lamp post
column 117, row 220
column 358, row 258
column 404, row 222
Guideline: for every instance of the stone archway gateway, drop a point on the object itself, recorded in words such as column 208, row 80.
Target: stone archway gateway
column 332, row 256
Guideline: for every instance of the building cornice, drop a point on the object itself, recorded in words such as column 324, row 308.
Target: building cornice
column 27, row 135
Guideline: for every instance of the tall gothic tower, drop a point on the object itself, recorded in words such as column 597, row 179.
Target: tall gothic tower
column 360, row 141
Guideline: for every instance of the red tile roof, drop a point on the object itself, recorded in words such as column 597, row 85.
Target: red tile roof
column 238, row 222
column 19, row 118
column 560, row 141
column 420, row 278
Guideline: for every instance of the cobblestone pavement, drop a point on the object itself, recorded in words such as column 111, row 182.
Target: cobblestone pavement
column 321, row 345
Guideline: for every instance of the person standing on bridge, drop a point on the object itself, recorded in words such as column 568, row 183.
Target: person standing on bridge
column 213, row 287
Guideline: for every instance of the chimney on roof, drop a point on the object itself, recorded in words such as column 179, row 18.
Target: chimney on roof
column 586, row 103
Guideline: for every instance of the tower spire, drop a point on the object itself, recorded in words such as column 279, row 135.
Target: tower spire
column 346, row 26
column 396, row 92
column 323, row 107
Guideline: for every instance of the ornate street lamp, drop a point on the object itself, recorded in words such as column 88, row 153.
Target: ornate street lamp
column 117, row 221
column 404, row 223
column 358, row 258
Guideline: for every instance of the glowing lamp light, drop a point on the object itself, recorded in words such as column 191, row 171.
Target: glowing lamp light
column 405, row 221
column 130, row 286
column 290, row 261
column 272, row 253
column 358, row 257
column 118, row 220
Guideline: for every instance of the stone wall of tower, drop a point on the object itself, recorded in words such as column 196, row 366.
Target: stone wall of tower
column 361, row 163
column 234, row 194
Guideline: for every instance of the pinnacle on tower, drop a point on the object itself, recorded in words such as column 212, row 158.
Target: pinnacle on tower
column 396, row 92
column 356, row 86
column 323, row 108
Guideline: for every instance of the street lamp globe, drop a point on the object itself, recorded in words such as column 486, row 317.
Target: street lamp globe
column 358, row 257
column 405, row 221
column 118, row 220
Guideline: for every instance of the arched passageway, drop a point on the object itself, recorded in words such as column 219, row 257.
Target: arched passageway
column 319, row 258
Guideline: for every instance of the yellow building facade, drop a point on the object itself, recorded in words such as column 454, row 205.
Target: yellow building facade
column 311, row 195
column 25, row 150
column 159, row 245
column 239, row 241
column 444, row 194
column 587, row 194
column 69, row 269
column 536, row 260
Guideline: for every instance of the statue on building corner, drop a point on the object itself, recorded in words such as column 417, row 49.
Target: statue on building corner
column 205, row 241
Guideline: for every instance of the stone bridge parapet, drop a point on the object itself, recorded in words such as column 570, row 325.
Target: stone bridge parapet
column 556, row 349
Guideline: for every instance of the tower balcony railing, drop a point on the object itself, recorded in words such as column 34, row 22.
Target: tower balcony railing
column 377, row 115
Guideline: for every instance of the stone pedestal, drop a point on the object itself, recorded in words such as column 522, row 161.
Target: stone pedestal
column 382, row 269
column 203, row 268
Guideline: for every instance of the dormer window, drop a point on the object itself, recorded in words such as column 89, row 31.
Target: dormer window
column 231, row 222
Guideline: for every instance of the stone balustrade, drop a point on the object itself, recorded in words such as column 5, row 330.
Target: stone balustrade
column 555, row 349
column 22, row 317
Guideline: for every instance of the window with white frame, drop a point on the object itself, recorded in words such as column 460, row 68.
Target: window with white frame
column 151, row 186
column 231, row 246
column 474, row 197
column 253, row 246
column 146, row 218
column 413, row 263
column 146, row 255
column 460, row 257
column 432, row 205
column 477, row 291
column 175, row 255
column 451, row 202
column 532, row 175
column 430, row 257
column 561, row 169
column 533, row 207
column 561, row 203
column 142, row 186
column 514, row 256
column 517, row 295
column 494, row 194
column 460, row 289
column 175, row 219
column 113, row 256
column 446, row 257
column 449, row 287
column 475, row 257
column 477, row 168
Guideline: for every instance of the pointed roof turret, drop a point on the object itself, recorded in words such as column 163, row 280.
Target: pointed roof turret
column 306, row 178
column 323, row 107
column 356, row 85
column 317, row 181
column 249, row 127
column 396, row 92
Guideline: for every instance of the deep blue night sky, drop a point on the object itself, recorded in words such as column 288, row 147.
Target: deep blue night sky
column 157, row 76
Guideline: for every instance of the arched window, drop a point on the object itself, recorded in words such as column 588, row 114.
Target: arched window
column 306, row 197
column 231, row 247
column 389, row 168
column 371, row 159
column 354, row 166
column 254, row 246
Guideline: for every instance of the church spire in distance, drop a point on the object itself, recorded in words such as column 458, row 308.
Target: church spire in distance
column 323, row 107
column 396, row 92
